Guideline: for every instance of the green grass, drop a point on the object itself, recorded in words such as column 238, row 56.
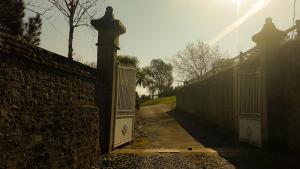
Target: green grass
column 164, row 100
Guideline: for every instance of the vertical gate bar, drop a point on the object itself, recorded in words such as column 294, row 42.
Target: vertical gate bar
column 252, row 93
column 241, row 94
column 256, row 94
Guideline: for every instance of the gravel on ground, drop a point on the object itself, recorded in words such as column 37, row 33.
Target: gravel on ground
column 162, row 161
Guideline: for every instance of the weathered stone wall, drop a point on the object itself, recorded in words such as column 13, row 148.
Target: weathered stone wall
column 283, row 86
column 48, row 112
column 214, row 99
column 211, row 99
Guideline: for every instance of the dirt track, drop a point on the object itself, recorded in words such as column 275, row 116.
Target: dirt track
column 178, row 140
column 164, row 131
column 164, row 134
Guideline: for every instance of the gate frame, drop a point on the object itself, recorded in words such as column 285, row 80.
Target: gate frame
column 116, row 110
column 260, row 59
column 240, row 115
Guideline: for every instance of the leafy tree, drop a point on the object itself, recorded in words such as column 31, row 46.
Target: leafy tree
column 33, row 30
column 195, row 60
column 11, row 20
column 126, row 59
column 140, row 76
column 148, row 81
column 167, row 92
column 158, row 76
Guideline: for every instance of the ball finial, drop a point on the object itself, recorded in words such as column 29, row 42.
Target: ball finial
column 109, row 13
column 269, row 20
column 109, row 9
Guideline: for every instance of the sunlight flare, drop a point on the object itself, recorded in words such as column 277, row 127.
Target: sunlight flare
column 259, row 5
column 238, row 3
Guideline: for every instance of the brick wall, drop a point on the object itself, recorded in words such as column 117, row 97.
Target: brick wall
column 48, row 112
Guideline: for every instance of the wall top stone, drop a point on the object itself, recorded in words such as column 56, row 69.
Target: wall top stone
column 11, row 46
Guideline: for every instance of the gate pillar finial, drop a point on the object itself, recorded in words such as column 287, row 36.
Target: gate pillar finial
column 109, row 29
column 269, row 35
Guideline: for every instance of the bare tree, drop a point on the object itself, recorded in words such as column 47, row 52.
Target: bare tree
column 194, row 60
column 222, row 64
column 77, row 13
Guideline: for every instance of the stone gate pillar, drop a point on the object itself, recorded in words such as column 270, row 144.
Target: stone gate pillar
column 109, row 29
column 269, row 41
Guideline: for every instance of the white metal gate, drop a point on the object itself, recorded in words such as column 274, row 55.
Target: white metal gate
column 125, row 106
column 249, row 108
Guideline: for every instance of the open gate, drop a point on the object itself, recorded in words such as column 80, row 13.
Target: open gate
column 249, row 108
column 125, row 106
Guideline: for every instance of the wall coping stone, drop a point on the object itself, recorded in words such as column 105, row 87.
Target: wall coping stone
column 15, row 47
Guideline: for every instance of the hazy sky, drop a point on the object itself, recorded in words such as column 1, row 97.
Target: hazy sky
column 159, row 28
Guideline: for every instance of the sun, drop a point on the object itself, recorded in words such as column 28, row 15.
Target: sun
column 238, row 2
column 238, row 6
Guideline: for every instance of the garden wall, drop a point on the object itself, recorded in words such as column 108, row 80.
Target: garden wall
column 215, row 98
column 211, row 99
column 48, row 112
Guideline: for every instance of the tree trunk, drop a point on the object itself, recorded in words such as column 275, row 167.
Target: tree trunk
column 70, row 51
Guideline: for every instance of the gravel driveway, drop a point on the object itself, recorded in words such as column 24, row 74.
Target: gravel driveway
column 161, row 128
column 164, row 161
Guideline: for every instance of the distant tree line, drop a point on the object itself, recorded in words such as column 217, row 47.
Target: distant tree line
column 157, row 77
column 11, row 22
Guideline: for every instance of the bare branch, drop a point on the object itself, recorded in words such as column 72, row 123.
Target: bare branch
column 195, row 60
column 60, row 7
column 76, row 13
column 67, row 5
column 42, row 15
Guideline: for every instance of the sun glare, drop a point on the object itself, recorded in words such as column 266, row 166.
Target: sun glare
column 259, row 5
column 238, row 6
column 238, row 2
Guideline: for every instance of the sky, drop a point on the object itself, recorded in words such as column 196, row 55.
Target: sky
column 160, row 28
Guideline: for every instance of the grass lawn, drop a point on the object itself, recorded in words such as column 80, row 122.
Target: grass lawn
column 164, row 100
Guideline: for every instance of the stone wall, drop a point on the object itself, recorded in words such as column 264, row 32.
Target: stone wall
column 48, row 112
column 211, row 99
column 284, row 96
column 214, row 99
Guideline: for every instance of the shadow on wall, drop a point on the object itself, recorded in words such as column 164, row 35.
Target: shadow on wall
column 206, row 133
